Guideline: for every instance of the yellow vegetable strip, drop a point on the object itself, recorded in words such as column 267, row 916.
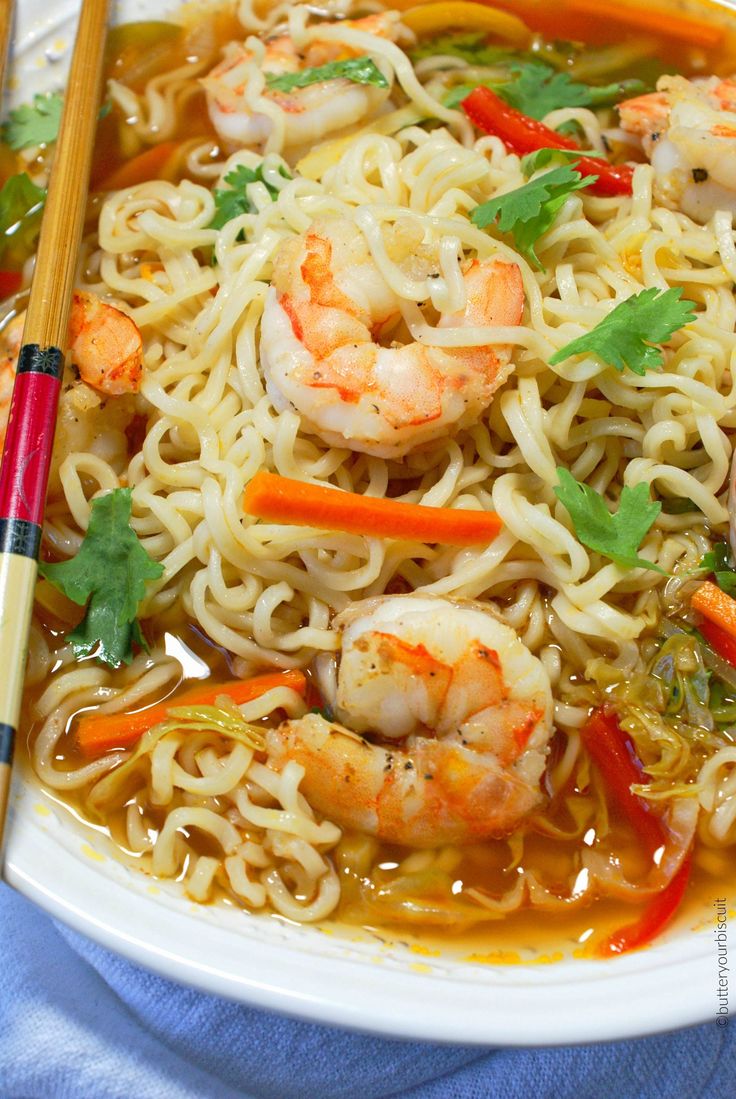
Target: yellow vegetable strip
column 427, row 19
column 315, row 164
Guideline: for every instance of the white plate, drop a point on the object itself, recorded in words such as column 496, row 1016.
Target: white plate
column 66, row 868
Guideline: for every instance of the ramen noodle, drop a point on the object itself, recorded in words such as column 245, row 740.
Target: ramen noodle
column 337, row 282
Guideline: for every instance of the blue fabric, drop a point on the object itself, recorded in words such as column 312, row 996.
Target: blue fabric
column 77, row 1022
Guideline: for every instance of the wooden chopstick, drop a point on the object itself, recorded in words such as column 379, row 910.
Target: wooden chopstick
column 6, row 26
column 30, row 435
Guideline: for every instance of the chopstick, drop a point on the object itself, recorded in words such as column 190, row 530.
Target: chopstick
column 6, row 26
column 30, row 435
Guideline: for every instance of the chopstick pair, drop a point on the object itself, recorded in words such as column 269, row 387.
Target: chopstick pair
column 29, row 439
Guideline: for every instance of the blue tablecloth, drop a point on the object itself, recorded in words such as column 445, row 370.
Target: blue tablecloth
column 77, row 1022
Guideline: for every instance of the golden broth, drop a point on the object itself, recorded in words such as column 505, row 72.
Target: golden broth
column 434, row 916
column 436, row 907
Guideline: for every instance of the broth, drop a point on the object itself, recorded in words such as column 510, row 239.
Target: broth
column 419, row 896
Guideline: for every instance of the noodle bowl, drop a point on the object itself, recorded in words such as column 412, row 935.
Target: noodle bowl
column 196, row 797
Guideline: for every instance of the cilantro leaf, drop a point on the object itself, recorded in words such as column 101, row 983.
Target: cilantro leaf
column 34, row 123
column 617, row 535
column 361, row 70
column 678, row 505
column 718, row 561
column 233, row 201
column 109, row 574
column 608, row 94
column 538, row 89
column 458, row 92
column 529, row 211
column 626, row 337
column 472, row 48
column 532, row 87
column 542, row 158
column 21, row 202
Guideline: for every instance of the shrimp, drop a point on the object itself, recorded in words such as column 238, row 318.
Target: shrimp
column 688, row 130
column 464, row 713
column 105, row 345
column 326, row 308
column 308, row 114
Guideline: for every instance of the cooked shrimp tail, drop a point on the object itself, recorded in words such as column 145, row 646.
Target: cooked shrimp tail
column 463, row 711
column 326, row 310
column 105, row 346
column 243, row 116
column 688, row 130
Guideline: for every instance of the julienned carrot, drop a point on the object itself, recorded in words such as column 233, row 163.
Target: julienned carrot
column 716, row 606
column 147, row 165
column 97, row 733
column 660, row 21
column 283, row 500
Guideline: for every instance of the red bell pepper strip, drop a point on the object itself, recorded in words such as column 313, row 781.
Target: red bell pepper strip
column 525, row 135
column 654, row 918
column 612, row 751
column 720, row 641
column 10, row 283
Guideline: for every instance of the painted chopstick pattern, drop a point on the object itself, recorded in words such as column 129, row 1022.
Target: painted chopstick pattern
column 28, row 444
column 30, row 435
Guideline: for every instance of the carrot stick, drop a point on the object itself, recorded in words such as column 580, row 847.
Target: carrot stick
column 716, row 606
column 97, row 733
column 283, row 500
column 147, row 165
column 660, row 21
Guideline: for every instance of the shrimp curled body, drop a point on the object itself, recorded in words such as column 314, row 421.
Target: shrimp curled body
column 242, row 116
column 327, row 306
column 688, row 130
column 105, row 346
column 464, row 713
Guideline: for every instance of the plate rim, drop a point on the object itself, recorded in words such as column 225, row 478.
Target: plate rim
column 663, row 988
column 565, row 1003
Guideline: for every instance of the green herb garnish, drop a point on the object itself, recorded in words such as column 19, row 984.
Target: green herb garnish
column 626, row 337
column 678, row 505
column 533, row 87
column 618, row 534
column 361, row 70
column 542, row 158
column 233, row 201
column 21, row 203
column 538, row 89
column 718, row 561
column 528, row 212
column 472, row 48
column 108, row 574
column 34, row 123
